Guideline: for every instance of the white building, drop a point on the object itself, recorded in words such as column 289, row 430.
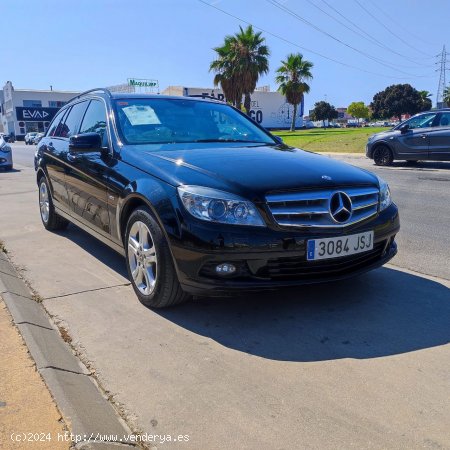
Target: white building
column 269, row 109
column 26, row 110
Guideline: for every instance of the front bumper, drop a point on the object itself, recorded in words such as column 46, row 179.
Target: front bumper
column 5, row 159
column 268, row 259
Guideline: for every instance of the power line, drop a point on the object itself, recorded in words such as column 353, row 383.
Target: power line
column 388, row 29
column 398, row 24
column 307, row 22
column 363, row 33
column 299, row 46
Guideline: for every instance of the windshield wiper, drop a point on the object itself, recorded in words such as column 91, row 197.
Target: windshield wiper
column 230, row 140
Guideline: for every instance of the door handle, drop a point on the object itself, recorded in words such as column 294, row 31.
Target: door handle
column 424, row 136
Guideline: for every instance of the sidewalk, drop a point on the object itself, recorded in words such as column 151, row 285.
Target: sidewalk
column 26, row 406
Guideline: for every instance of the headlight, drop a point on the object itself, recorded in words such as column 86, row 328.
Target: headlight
column 385, row 194
column 4, row 148
column 218, row 206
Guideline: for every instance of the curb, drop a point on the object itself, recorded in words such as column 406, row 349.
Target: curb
column 86, row 412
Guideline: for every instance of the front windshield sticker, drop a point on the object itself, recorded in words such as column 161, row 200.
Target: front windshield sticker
column 141, row 115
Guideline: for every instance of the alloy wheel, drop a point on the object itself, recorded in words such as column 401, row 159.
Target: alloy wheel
column 383, row 156
column 142, row 257
column 44, row 202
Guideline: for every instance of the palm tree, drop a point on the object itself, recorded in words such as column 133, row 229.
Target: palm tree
column 446, row 98
column 225, row 73
column 426, row 100
column 241, row 60
column 292, row 76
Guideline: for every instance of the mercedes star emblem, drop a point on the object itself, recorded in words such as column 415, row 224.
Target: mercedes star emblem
column 340, row 207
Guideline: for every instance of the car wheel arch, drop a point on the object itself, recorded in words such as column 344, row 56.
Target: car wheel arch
column 130, row 204
column 383, row 144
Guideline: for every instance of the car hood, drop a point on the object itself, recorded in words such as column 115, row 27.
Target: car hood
column 383, row 134
column 246, row 170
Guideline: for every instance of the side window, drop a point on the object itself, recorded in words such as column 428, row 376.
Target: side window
column 94, row 120
column 444, row 120
column 423, row 121
column 72, row 121
column 55, row 123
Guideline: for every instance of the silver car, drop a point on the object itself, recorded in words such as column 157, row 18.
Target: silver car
column 425, row 136
column 6, row 160
column 29, row 137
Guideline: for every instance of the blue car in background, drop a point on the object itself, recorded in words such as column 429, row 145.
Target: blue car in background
column 6, row 161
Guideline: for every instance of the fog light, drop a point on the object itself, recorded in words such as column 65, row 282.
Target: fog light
column 225, row 269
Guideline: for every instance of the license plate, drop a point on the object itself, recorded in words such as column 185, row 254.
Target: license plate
column 337, row 247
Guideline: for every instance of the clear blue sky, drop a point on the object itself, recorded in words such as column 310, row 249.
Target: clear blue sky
column 76, row 45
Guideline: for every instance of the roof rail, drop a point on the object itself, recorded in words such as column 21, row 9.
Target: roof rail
column 106, row 91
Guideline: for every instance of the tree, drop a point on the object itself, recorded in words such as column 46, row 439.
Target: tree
column 323, row 111
column 426, row 100
column 447, row 95
column 241, row 60
column 358, row 110
column 396, row 100
column 292, row 76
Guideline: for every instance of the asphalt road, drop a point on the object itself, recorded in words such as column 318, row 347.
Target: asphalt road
column 357, row 364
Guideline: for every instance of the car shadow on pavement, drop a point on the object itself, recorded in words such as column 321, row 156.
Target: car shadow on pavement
column 421, row 165
column 385, row 312
column 101, row 251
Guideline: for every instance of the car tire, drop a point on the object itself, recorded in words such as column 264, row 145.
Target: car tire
column 382, row 155
column 149, row 262
column 50, row 219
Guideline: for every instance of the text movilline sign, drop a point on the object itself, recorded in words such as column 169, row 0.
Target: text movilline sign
column 142, row 83
column 146, row 86
column 35, row 114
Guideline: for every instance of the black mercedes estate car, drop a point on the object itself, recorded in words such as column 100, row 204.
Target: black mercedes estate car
column 202, row 200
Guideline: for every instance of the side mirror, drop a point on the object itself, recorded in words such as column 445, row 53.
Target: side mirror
column 278, row 139
column 87, row 142
column 404, row 128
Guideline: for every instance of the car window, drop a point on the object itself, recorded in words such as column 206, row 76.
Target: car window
column 56, row 122
column 159, row 121
column 94, row 120
column 444, row 120
column 73, row 120
column 422, row 121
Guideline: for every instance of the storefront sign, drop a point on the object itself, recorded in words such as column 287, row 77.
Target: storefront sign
column 269, row 109
column 142, row 83
column 35, row 114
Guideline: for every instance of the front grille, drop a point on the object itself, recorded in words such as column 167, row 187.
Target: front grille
column 298, row 268
column 312, row 208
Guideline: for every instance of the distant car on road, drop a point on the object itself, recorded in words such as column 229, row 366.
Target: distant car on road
column 7, row 137
column 6, row 160
column 425, row 136
column 38, row 138
column 29, row 137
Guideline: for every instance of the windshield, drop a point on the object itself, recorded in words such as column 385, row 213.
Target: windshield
column 163, row 121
